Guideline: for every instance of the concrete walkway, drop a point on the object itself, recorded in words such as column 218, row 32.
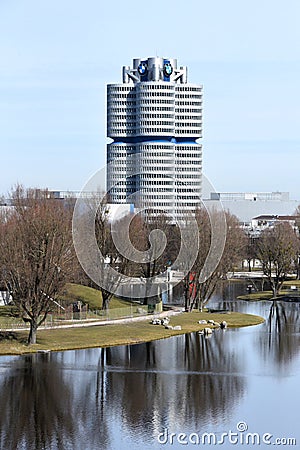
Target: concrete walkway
column 141, row 318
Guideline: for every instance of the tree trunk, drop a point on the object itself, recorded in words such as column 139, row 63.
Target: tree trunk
column 249, row 265
column 147, row 290
column 32, row 333
column 106, row 297
column 187, row 299
column 275, row 290
column 105, row 303
column 201, row 305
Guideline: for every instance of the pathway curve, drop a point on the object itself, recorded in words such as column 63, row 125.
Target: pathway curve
column 141, row 318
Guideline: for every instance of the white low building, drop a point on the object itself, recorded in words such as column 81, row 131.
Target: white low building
column 248, row 205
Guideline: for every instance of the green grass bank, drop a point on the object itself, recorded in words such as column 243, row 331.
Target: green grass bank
column 120, row 334
column 290, row 289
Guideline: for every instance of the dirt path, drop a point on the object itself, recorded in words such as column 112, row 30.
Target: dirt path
column 95, row 323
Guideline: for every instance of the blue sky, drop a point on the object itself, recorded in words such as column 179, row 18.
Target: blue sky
column 58, row 56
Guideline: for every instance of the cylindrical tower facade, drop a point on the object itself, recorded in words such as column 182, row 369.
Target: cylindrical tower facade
column 155, row 119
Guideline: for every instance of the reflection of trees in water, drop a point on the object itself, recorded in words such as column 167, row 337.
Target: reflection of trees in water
column 108, row 392
column 226, row 294
column 283, row 339
column 216, row 389
column 35, row 405
column 91, row 406
column 41, row 409
column 188, row 382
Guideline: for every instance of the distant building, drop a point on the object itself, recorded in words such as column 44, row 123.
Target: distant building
column 247, row 205
column 251, row 196
column 5, row 205
column 116, row 211
column 268, row 221
column 260, row 223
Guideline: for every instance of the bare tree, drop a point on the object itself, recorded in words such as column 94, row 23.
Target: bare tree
column 197, row 236
column 199, row 288
column 231, row 257
column 297, row 211
column 115, row 243
column 278, row 250
column 35, row 253
column 156, row 233
column 104, row 241
column 102, row 245
column 250, row 250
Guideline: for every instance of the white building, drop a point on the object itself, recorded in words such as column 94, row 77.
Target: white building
column 246, row 205
column 154, row 118
column 262, row 222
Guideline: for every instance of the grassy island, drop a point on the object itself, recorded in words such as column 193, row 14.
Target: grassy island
column 290, row 290
column 119, row 334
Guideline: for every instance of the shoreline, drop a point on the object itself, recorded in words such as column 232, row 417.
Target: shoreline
column 126, row 333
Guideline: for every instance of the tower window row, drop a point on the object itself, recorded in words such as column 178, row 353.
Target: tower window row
column 188, row 124
column 156, row 100
column 158, row 108
column 112, row 89
column 155, row 122
column 187, row 102
column 113, row 110
column 122, row 125
column 121, row 102
column 188, row 117
column 188, row 88
column 153, row 115
column 156, row 94
column 123, row 95
column 192, row 131
column 122, row 116
column 155, row 86
column 188, row 110
column 188, row 96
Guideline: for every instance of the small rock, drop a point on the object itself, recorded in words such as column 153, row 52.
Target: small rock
column 169, row 327
column 165, row 321
column 223, row 325
column 177, row 327
column 202, row 322
column 155, row 322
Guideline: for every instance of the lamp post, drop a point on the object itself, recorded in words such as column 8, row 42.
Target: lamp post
column 170, row 286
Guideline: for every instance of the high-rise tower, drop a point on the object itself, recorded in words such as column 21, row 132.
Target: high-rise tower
column 155, row 118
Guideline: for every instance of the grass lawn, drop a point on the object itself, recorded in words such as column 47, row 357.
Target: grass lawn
column 110, row 335
column 75, row 292
column 291, row 283
column 267, row 295
column 255, row 296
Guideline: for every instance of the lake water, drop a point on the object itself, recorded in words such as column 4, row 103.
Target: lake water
column 241, row 386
